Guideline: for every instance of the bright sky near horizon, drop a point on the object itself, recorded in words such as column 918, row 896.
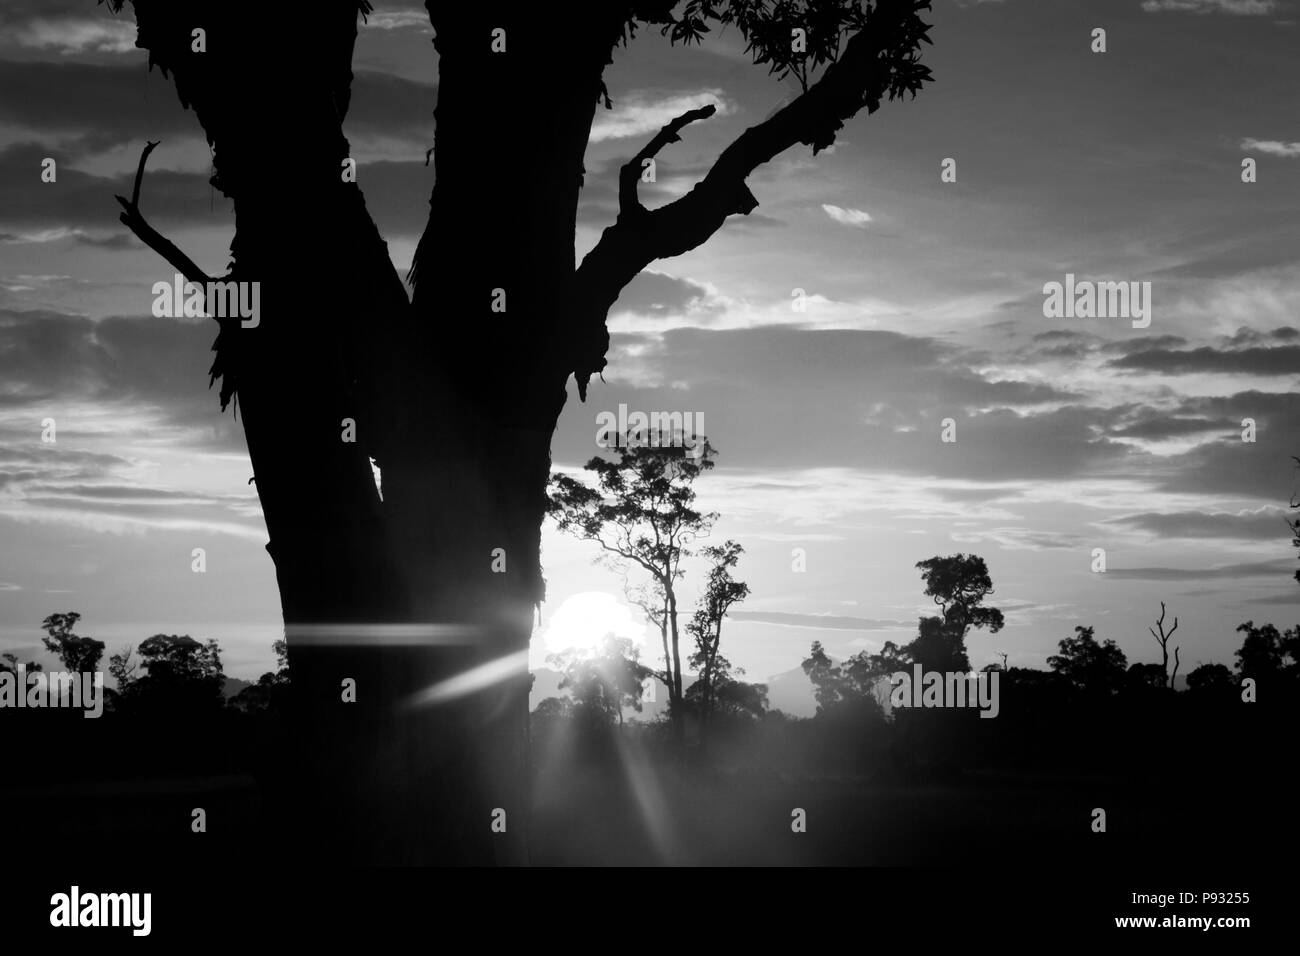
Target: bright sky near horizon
column 925, row 302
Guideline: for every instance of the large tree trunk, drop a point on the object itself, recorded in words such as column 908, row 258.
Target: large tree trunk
column 421, row 766
column 464, row 481
column 423, row 598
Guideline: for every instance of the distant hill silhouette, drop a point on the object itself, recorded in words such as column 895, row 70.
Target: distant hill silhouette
column 792, row 693
column 233, row 686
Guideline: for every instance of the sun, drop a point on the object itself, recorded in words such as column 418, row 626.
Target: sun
column 583, row 620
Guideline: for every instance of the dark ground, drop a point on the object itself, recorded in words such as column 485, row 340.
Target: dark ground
column 1214, row 786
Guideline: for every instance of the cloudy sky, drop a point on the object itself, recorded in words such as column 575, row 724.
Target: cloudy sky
column 924, row 302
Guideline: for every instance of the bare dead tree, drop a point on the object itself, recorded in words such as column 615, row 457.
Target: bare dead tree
column 1163, row 640
column 1294, row 526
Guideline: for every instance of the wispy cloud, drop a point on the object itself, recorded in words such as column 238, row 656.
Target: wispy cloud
column 1279, row 360
column 1272, row 147
column 639, row 113
column 78, row 35
column 847, row 217
column 1287, row 597
column 1252, row 569
column 1244, row 8
column 1018, row 539
column 1259, row 524
column 57, row 234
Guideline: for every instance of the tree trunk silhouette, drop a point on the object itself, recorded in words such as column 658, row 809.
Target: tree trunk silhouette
column 423, row 592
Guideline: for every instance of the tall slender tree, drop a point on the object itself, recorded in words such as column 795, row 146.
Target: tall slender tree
column 721, row 593
column 642, row 512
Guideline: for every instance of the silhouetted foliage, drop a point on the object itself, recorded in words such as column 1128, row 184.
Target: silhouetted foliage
column 550, row 715
column 9, row 664
column 77, row 653
column 860, row 680
column 1092, row 668
column 959, row 584
column 768, row 29
column 603, row 681
column 731, row 698
column 1147, row 677
column 1267, row 653
column 828, row 683
column 122, row 668
column 271, row 691
column 938, row 647
column 865, row 670
column 1213, row 679
column 721, row 593
column 181, row 674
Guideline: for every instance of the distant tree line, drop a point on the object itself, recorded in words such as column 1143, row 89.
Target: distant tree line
column 168, row 674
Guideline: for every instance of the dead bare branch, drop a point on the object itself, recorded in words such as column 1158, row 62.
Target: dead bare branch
column 134, row 220
column 1162, row 638
column 630, row 173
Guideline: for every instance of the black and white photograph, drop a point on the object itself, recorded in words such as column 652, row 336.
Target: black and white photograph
column 650, row 435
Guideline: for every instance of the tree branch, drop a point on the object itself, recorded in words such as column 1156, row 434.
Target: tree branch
column 877, row 62
column 1162, row 639
column 134, row 220
column 630, row 173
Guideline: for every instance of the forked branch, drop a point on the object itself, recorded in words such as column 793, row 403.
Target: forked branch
column 1163, row 640
column 134, row 220
column 878, row 62
column 628, row 202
